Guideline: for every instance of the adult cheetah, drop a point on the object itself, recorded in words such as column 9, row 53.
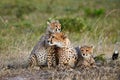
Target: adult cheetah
column 66, row 55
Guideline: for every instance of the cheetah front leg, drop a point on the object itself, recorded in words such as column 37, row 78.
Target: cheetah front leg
column 49, row 61
column 51, row 58
column 61, row 66
column 33, row 64
column 54, row 60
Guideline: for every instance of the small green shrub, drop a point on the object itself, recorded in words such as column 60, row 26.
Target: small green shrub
column 100, row 58
column 94, row 12
column 73, row 24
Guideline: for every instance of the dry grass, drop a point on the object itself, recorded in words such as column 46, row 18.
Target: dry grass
column 106, row 72
column 17, row 67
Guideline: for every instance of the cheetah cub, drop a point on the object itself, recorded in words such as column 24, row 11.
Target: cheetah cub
column 38, row 56
column 85, row 58
column 66, row 55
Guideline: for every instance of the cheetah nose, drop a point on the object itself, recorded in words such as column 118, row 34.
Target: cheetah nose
column 48, row 41
column 59, row 29
column 83, row 54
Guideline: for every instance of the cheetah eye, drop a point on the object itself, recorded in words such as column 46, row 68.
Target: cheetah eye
column 52, row 36
column 81, row 50
column 86, row 50
column 56, row 26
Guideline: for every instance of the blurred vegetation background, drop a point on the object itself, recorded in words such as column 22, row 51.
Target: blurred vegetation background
column 22, row 22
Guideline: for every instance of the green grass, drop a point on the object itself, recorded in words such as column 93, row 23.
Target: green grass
column 91, row 22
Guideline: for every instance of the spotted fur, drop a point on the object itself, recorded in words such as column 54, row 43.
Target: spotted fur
column 66, row 55
column 85, row 58
column 38, row 56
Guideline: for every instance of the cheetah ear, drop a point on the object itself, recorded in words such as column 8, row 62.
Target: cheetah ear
column 48, row 23
column 52, row 21
column 57, row 21
column 92, row 47
column 79, row 46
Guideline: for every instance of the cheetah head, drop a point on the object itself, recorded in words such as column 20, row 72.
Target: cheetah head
column 54, row 26
column 86, row 51
column 58, row 39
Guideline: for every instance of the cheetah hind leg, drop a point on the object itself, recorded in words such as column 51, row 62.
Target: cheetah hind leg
column 33, row 63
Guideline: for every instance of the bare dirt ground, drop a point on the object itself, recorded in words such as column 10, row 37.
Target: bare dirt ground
column 107, row 71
